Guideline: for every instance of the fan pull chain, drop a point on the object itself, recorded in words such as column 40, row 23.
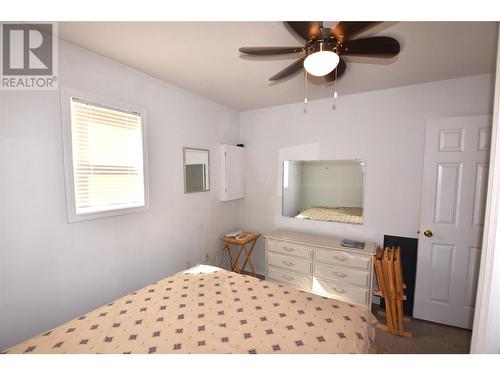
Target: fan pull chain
column 335, row 95
column 305, row 91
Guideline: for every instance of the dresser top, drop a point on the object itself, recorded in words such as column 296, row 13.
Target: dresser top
column 318, row 240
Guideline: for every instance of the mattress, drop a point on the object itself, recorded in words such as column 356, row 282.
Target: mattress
column 210, row 310
column 353, row 215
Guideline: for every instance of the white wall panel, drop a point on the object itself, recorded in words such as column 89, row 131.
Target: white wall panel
column 447, row 192
column 451, row 140
column 480, row 190
column 441, row 272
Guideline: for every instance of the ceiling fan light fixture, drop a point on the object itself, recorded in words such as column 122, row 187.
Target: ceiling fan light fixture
column 321, row 54
column 321, row 63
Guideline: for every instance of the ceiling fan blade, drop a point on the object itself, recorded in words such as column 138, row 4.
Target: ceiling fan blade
column 340, row 69
column 378, row 46
column 307, row 30
column 270, row 50
column 344, row 31
column 290, row 69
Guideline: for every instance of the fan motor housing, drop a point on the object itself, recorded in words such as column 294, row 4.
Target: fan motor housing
column 329, row 44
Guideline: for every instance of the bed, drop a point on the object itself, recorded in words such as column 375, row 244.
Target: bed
column 353, row 215
column 211, row 310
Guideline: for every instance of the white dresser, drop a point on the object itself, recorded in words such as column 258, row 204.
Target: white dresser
column 321, row 265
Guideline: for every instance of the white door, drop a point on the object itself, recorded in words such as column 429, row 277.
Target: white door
column 451, row 219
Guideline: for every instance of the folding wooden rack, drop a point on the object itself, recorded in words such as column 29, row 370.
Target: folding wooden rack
column 389, row 271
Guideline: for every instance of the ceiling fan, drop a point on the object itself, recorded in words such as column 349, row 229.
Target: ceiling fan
column 321, row 54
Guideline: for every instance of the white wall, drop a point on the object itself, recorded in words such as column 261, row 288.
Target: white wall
column 52, row 271
column 385, row 128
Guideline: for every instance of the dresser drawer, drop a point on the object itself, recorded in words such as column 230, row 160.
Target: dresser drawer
column 343, row 292
column 289, row 248
column 290, row 263
column 343, row 258
column 282, row 276
column 342, row 275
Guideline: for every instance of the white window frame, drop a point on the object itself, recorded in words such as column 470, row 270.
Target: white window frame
column 66, row 95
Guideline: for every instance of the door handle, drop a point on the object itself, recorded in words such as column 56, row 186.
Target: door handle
column 428, row 233
column 342, row 259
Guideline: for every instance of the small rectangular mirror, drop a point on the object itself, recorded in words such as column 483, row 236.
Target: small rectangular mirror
column 196, row 170
column 328, row 190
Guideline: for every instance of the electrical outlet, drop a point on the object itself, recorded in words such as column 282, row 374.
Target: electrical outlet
column 215, row 259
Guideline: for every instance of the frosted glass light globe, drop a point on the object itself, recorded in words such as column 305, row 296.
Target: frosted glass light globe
column 321, row 63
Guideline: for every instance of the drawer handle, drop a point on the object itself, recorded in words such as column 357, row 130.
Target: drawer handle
column 288, row 264
column 342, row 259
column 289, row 278
column 339, row 290
column 339, row 274
column 289, row 249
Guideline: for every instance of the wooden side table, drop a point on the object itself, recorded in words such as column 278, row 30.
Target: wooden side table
column 234, row 258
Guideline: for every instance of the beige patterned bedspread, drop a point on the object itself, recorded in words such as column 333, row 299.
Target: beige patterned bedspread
column 213, row 312
column 353, row 215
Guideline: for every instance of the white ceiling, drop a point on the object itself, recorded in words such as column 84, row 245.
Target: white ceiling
column 203, row 57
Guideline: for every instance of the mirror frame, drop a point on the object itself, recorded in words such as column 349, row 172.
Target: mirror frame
column 282, row 164
column 184, row 149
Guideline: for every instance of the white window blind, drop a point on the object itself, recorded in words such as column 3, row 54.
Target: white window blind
column 107, row 153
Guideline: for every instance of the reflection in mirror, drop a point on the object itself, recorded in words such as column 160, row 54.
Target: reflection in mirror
column 328, row 190
column 196, row 171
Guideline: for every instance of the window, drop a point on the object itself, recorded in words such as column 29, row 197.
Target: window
column 104, row 158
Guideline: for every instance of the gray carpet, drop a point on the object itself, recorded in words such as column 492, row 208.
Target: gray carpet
column 428, row 338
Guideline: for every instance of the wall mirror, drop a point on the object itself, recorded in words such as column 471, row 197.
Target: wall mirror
column 328, row 190
column 196, row 170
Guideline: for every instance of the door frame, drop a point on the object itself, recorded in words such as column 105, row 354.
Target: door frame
column 485, row 338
